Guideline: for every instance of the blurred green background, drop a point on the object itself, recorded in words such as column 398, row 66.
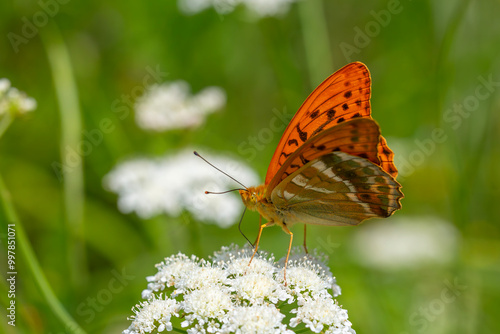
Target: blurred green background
column 425, row 58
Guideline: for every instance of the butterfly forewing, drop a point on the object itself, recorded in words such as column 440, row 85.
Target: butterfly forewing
column 358, row 137
column 337, row 189
column 342, row 96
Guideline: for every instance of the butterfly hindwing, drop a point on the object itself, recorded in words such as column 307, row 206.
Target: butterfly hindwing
column 337, row 189
column 386, row 157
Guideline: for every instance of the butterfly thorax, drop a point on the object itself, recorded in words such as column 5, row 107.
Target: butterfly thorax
column 255, row 199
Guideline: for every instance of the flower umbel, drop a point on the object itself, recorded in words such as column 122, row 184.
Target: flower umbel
column 13, row 101
column 261, row 8
column 171, row 106
column 226, row 295
column 176, row 183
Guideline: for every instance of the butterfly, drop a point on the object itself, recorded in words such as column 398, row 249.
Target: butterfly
column 332, row 166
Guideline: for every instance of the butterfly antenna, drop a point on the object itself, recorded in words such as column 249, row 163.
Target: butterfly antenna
column 224, row 192
column 239, row 228
column 232, row 178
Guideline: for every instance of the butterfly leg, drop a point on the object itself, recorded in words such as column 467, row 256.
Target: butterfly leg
column 289, row 248
column 305, row 247
column 258, row 235
column 256, row 245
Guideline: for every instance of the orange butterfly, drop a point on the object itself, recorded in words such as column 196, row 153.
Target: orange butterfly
column 331, row 166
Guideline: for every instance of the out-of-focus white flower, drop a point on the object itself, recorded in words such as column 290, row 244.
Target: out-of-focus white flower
column 406, row 243
column 171, row 106
column 268, row 7
column 4, row 85
column 13, row 101
column 261, row 8
column 178, row 182
column 228, row 295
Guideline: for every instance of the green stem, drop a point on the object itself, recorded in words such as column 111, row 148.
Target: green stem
column 316, row 42
column 459, row 196
column 71, row 129
column 25, row 250
column 5, row 123
column 195, row 235
column 451, row 33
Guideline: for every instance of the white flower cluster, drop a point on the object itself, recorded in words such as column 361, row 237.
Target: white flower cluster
column 226, row 294
column 171, row 106
column 13, row 101
column 405, row 243
column 261, row 8
column 178, row 182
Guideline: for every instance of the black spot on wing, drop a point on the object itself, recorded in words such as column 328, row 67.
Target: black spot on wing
column 319, row 128
column 363, row 155
column 302, row 134
column 321, row 147
column 365, row 197
column 286, row 155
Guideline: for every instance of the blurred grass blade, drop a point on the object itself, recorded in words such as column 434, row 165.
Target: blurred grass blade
column 450, row 35
column 26, row 251
column 316, row 41
column 444, row 81
column 71, row 129
column 5, row 122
